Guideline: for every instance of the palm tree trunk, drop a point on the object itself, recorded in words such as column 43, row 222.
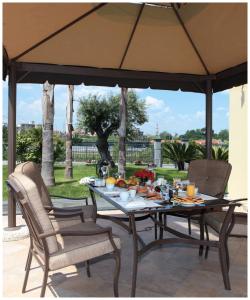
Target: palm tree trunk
column 122, row 133
column 47, row 143
column 69, row 127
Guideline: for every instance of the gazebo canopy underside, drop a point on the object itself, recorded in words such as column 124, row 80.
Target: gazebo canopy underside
column 132, row 45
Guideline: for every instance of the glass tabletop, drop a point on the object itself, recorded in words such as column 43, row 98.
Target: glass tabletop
column 141, row 205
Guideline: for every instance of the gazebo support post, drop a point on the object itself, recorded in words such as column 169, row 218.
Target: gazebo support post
column 12, row 141
column 209, row 117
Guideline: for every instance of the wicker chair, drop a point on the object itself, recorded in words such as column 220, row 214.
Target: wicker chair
column 56, row 248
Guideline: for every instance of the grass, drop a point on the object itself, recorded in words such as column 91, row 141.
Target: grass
column 72, row 188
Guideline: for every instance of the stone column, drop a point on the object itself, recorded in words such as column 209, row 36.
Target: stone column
column 157, row 152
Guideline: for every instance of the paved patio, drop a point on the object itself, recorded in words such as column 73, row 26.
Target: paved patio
column 169, row 271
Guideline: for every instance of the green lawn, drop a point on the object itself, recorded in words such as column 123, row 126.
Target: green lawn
column 72, row 188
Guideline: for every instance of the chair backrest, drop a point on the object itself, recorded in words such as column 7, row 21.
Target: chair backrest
column 33, row 171
column 210, row 176
column 37, row 219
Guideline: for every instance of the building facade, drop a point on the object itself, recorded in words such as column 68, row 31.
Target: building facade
column 238, row 143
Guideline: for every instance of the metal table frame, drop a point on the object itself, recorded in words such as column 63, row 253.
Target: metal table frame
column 154, row 213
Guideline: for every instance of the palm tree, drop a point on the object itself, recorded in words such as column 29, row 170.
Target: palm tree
column 47, row 141
column 122, row 132
column 69, row 128
column 219, row 153
column 179, row 153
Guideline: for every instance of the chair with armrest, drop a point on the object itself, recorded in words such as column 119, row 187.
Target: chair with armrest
column 58, row 248
column 216, row 219
column 211, row 177
column 32, row 170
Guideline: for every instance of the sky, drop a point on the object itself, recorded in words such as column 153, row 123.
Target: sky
column 171, row 111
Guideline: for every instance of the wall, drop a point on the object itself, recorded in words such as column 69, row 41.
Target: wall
column 238, row 140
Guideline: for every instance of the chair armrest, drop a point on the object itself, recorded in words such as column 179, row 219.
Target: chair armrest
column 71, row 198
column 48, row 207
column 67, row 209
column 68, row 198
column 66, row 214
column 238, row 200
column 76, row 233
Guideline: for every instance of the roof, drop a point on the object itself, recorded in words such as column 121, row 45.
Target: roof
column 133, row 45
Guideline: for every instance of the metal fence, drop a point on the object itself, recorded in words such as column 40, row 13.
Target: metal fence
column 136, row 151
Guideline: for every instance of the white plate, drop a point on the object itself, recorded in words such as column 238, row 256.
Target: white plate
column 187, row 204
column 111, row 193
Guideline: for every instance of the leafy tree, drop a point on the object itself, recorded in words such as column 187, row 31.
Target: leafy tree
column 76, row 139
column 5, row 134
column 100, row 115
column 165, row 135
column 179, row 153
column 223, row 135
column 5, row 142
column 59, row 148
column 194, row 134
column 29, row 145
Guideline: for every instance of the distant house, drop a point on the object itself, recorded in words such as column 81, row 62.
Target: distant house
column 27, row 126
column 215, row 142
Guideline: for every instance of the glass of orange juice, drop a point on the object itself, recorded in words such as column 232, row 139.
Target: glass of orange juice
column 191, row 189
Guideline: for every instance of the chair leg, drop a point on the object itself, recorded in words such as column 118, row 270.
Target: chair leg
column 117, row 273
column 87, row 263
column 27, row 270
column 189, row 226
column 227, row 254
column 28, row 257
column 45, row 278
column 224, row 266
column 207, row 237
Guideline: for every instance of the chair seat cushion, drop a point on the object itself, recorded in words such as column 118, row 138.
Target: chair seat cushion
column 75, row 249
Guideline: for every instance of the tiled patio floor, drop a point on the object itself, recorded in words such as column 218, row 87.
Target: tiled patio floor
column 164, row 272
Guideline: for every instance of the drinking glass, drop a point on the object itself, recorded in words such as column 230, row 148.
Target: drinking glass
column 176, row 181
column 191, row 189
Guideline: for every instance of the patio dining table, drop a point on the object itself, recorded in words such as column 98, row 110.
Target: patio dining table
column 137, row 210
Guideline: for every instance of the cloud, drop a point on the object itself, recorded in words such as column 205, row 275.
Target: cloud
column 25, row 87
column 154, row 102
column 220, row 108
column 200, row 114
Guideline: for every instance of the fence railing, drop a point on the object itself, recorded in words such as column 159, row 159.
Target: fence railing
column 136, row 151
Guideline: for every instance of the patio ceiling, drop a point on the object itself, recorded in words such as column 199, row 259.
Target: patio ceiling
column 133, row 45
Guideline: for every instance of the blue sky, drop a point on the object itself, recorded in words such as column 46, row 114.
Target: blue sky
column 174, row 111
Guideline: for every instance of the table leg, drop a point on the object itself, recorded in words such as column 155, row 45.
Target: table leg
column 92, row 195
column 201, row 233
column 161, row 229
column 135, row 254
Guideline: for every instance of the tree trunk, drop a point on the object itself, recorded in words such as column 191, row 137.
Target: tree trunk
column 180, row 165
column 69, row 127
column 103, row 149
column 47, row 143
column 122, row 133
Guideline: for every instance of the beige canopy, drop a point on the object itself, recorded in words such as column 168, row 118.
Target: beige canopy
column 197, row 39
